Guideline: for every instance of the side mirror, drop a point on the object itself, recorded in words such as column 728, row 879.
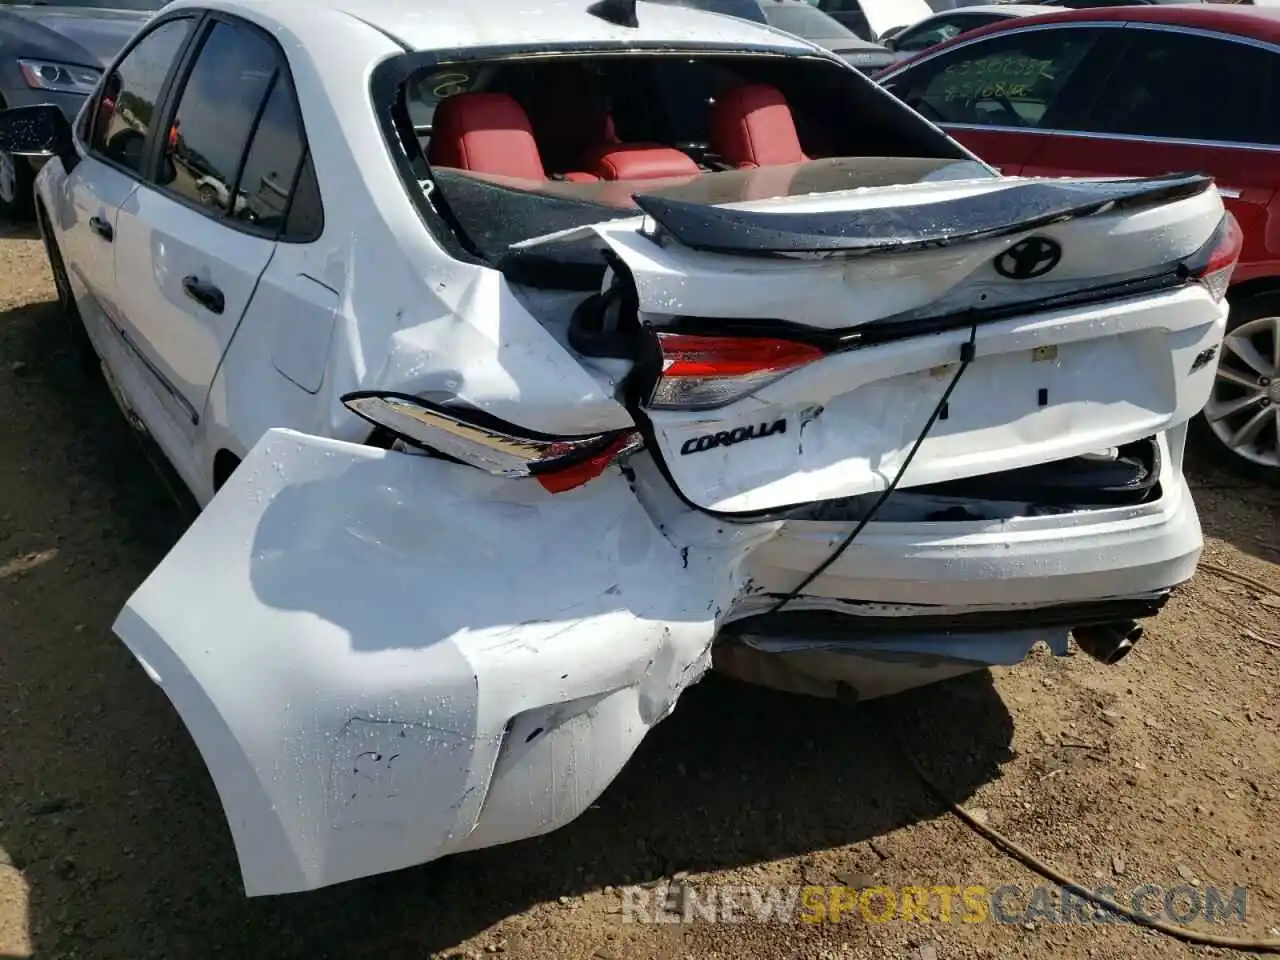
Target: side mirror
column 40, row 130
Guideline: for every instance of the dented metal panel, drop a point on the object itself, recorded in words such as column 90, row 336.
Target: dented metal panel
column 352, row 637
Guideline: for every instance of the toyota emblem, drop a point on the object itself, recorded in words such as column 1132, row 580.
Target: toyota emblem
column 1029, row 258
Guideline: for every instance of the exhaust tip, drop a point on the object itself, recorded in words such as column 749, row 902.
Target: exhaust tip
column 1108, row 643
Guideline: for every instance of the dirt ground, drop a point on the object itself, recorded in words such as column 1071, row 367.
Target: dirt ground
column 1164, row 769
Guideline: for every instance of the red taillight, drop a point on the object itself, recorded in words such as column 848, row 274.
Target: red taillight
column 1214, row 271
column 560, row 479
column 700, row 372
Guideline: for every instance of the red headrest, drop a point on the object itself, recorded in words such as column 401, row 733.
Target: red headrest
column 484, row 132
column 638, row 161
column 752, row 126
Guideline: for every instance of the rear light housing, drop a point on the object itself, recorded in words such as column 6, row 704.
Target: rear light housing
column 478, row 440
column 703, row 372
column 1213, row 264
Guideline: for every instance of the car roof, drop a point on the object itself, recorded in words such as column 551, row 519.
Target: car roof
column 450, row 25
column 1258, row 23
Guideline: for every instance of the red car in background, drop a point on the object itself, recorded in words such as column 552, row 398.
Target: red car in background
column 1139, row 91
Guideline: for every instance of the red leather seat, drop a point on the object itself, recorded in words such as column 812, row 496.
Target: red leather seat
column 575, row 132
column 637, row 161
column 490, row 133
column 484, row 133
column 752, row 126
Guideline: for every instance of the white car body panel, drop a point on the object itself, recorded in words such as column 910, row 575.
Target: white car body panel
column 853, row 416
column 162, row 240
column 90, row 260
column 337, row 609
column 966, row 565
column 904, row 568
column 873, row 404
column 816, row 292
column 369, row 607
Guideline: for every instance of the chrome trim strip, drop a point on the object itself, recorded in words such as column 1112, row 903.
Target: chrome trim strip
column 192, row 413
column 496, row 451
column 1126, row 137
column 1204, row 32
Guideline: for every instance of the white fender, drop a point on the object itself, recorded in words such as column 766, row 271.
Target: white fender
column 385, row 658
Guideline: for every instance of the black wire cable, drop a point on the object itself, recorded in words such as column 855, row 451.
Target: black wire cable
column 968, row 351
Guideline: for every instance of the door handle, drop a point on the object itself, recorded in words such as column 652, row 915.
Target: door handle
column 101, row 228
column 204, row 293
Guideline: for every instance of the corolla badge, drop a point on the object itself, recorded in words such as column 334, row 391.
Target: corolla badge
column 727, row 438
column 1029, row 258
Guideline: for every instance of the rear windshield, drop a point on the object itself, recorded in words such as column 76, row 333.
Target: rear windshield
column 807, row 22
column 517, row 148
column 743, row 9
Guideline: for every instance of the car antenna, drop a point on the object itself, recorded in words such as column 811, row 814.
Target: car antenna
column 621, row 12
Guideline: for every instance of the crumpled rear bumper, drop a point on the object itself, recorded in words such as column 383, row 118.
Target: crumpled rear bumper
column 911, row 603
column 385, row 658
column 987, row 570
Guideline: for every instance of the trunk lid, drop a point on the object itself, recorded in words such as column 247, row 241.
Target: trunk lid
column 881, row 287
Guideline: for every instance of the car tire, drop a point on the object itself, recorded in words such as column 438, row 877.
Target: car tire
column 1239, row 427
column 82, row 347
column 17, row 189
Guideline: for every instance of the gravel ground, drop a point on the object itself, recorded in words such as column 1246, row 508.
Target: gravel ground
column 1164, row 769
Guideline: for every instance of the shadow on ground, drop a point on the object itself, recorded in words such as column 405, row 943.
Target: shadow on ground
column 1243, row 513
column 18, row 231
column 107, row 810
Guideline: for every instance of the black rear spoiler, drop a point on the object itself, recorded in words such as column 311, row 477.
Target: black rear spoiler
column 1013, row 209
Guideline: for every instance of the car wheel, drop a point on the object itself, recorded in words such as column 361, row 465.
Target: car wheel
column 17, row 188
column 1241, row 422
column 81, row 345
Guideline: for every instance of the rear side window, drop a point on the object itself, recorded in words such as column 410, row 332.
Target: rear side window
column 272, row 161
column 125, row 111
column 305, row 219
column 1013, row 80
column 1153, row 90
column 216, row 114
column 236, row 144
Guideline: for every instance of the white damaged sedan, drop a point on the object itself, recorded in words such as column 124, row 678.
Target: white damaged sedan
column 527, row 359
